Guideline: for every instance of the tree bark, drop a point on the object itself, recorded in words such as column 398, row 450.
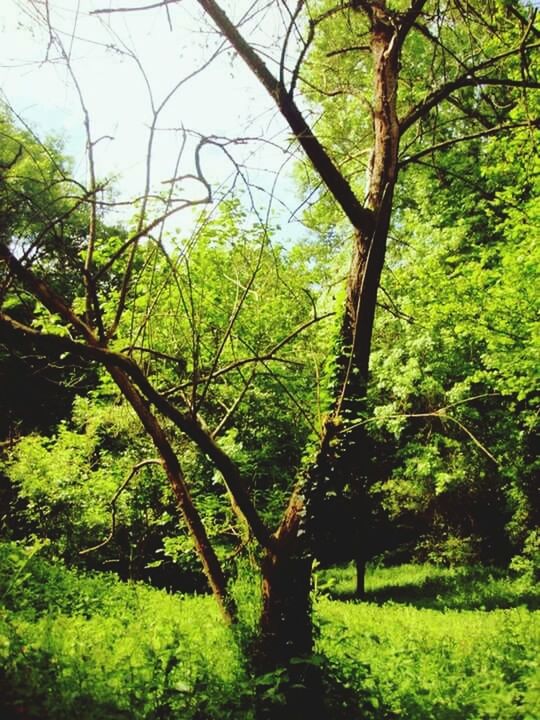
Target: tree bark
column 283, row 653
column 364, row 278
column 286, row 629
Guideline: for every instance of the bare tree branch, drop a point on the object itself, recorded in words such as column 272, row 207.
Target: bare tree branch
column 263, row 357
column 11, row 330
column 152, row 6
column 467, row 79
column 93, row 308
column 464, row 138
column 359, row 216
column 134, row 470
column 236, row 404
column 441, row 414
column 191, row 425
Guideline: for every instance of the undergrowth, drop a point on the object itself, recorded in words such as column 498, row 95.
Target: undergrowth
column 90, row 646
column 434, row 586
column 420, row 664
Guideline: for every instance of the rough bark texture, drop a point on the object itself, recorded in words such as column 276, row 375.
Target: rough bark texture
column 285, row 621
column 342, row 458
column 364, row 277
column 285, row 643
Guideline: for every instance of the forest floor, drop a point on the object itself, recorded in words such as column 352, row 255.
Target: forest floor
column 427, row 644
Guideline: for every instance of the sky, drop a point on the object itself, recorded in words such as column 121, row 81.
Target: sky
column 114, row 58
column 107, row 52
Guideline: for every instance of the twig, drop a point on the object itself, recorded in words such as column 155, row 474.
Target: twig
column 134, row 470
column 441, row 414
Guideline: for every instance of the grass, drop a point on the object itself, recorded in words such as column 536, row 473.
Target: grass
column 421, row 648
column 92, row 647
column 420, row 664
column 434, row 587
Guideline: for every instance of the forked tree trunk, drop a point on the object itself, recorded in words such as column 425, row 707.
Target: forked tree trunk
column 286, row 618
column 285, row 622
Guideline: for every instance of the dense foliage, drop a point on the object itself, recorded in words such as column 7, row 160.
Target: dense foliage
column 452, row 407
column 460, row 324
column 90, row 645
column 215, row 370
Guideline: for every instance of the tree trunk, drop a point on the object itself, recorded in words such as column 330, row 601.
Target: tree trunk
column 290, row 684
column 286, row 630
column 285, row 625
column 363, row 283
column 360, row 564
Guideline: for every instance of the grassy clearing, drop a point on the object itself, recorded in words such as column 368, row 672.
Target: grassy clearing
column 90, row 646
column 420, row 664
column 434, row 587
column 435, row 643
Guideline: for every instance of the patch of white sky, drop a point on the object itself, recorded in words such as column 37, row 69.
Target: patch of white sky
column 107, row 52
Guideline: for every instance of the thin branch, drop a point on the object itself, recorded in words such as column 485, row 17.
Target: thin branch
column 286, row 390
column 192, row 426
column 232, row 320
column 296, row 70
column 441, row 414
column 135, row 469
column 93, row 307
column 464, row 138
column 266, row 356
column 156, row 111
column 351, row 48
column 145, row 231
column 108, row 11
column 293, row 17
column 236, row 404
column 155, row 353
column 467, row 79
column 475, row 440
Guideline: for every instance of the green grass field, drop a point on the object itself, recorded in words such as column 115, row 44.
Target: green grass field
column 428, row 644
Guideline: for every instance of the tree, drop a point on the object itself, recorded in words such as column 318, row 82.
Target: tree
column 434, row 74
column 461, row 292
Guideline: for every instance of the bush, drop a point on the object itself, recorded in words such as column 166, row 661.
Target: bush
column 428, row 665
column 98, row 648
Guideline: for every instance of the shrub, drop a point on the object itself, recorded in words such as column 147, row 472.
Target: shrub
column 95, row 647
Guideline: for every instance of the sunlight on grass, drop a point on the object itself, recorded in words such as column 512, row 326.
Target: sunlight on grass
column 433, row 586
column 424, row 664
column 91, row 646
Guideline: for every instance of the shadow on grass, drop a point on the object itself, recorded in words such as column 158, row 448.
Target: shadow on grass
column 466, row 589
